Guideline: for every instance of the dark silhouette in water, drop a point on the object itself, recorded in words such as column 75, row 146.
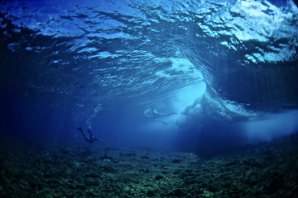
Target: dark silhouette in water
column 91, row 138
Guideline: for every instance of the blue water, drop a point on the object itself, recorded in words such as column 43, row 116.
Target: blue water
column 201, row 76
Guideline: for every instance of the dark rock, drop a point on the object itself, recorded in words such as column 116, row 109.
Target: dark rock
column 177, row 193
column 35, row 185
column 188, row 171
column 18, row 175
column 176, row 161
column 176, row 172
column 49, row 175
column 108, row 169
column 158, row 177
column 81, row 186
column 130, row 154
column 91, row 182
column 145, row 157
column 64, row 151
column 231, row 163
column 150, row 193
column 144, row 170
column 54, row 182
column 92, row 175
column 105, row 156
column 275, row 184
column 89, row 160
column 70, row 195
column 252, row 163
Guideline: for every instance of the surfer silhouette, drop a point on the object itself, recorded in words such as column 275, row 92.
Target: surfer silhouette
column 155, row 114
column 91, row 138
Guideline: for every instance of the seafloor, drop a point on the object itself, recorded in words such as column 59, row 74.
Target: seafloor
column 265, row 170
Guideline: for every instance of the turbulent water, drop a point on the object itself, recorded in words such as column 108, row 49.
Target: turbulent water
column 107, row 63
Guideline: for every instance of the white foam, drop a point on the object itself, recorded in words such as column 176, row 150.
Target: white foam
column 271, row 126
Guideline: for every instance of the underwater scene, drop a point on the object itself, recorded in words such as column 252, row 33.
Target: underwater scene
column 136, row 98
